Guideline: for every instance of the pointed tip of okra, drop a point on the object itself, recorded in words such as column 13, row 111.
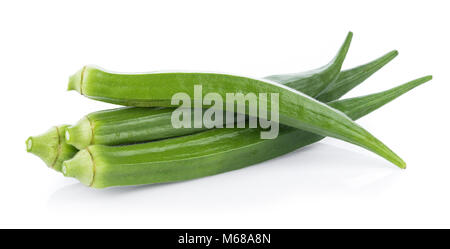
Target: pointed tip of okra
column 339, row 59
column 332, row 69
column 401, row 164
column 387, row 57
column 76, row 80
column 421, row 80
column 382, row 61
column 393, row 93
column 393, row 158
column 50, row 147
column 385, row 97
column 412, row 84
column 360, row 106
column 364, row 105
column 348, row 40
column 350, row 34
column 391, row 54
column 394, row 52
column 351, row 78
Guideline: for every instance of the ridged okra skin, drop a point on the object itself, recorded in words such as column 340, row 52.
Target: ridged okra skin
column 130, row 125
column 203, row 154
column 51, row 147
column 125, row 126
column 206, row 153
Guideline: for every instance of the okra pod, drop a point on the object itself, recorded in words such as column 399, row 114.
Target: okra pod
column 130, row 125
column 51, row 147
column 207, row 153
column 294, row 108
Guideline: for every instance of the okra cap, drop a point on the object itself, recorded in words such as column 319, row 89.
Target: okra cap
column 75, row 81
column 45, row 145
column 51, row 147
column 79, row 135
column 80, row 167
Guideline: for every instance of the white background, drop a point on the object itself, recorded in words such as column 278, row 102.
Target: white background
column 329, row 184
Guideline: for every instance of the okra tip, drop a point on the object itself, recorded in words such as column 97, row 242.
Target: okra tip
column 402, row 165
column 339, row 59
column 390, row 155
column 379, row 63
column 397, row 92
column 414, row 83
column 349, row 38
column 394, row 158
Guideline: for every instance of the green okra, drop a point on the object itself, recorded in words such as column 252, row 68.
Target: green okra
column 130, row 125
column 51, row 147
column 133, row 123
column 207, row 153
column 295, row 109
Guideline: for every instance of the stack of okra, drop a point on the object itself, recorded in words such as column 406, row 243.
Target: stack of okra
column 138, row 144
